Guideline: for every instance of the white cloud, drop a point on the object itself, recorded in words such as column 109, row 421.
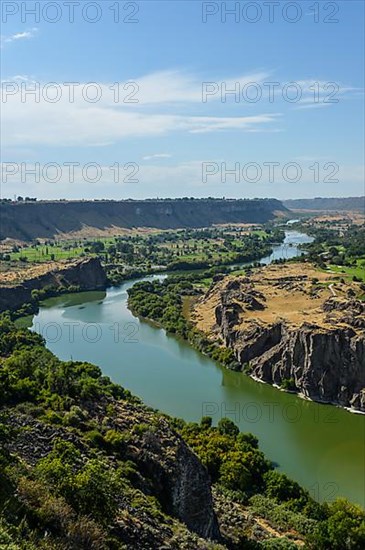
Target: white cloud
column 19, row 36
column 20, row 78
column 181, row 87
column 164, row 104
column 311, row 105
column 157, row 156
column 70, row 125
column 320, row 93
column 156, row 104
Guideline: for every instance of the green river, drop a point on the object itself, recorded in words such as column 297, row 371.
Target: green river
column 320, row 446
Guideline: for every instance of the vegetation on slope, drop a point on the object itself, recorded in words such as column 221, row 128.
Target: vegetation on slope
column 45, row 219
column 83, row 465
column 163, row 303
column 339, row 251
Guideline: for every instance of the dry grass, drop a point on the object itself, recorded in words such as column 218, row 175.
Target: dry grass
column 290, row 292
column 356, row 217
column 19, row 274
column 88, row 232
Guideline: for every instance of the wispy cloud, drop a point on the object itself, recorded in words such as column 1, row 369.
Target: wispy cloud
column 70, row 125
column 182, row 87
column 157, row 156
column 164, row 103
column 320, row 93
column 25, row 35
column 156, row 104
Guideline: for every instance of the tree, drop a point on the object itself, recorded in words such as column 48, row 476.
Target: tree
column 234, row 474
column 97, row 247
column 344, row 529
column 280, row 487
column 206, row 422
column 227, row 427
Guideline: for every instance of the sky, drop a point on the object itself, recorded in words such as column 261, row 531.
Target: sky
column 119, row 99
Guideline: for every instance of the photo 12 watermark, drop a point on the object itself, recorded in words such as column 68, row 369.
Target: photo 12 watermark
column 69, row 172
column 269, row 172
column 70, row 92
column 293, row 92
column 270, row 12
column 91, row 333
column 70, row 11
column 253, row 412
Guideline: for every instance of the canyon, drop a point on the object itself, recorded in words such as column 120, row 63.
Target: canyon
column 294, row 327
column 26, row 221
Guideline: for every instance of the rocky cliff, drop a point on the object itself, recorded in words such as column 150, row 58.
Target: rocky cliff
column 291, row 326
column 168, row 469
column 27, row 221
column 86, row 274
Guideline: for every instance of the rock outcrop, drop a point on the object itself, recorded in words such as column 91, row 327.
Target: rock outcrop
column 86, row 274
column 309, row 342
column 178, row 477
column 168, row 468
column 327, row 366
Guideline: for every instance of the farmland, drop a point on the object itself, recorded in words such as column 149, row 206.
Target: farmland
column 143, row 252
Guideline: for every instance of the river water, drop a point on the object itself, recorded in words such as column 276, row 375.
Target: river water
column 320, row 446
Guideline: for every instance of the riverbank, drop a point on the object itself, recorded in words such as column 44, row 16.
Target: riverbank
column 87, row 463
column 24, row 290
column 315, row 444
column 273, row 324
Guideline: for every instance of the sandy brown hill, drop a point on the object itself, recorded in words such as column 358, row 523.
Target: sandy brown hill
column 293, row 326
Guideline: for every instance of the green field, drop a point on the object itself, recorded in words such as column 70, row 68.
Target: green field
column 46, row 253
column 349, row 272
column 211, row 246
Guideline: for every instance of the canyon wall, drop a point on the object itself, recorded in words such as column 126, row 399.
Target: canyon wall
column 289, row 328
column 26, row 221
column 84, row 275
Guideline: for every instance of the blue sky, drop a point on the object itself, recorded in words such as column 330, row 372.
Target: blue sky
column 166, row 141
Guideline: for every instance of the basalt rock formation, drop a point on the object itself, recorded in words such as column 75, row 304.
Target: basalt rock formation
column 290, row 326
column 86, row 274
column 29, row 220
column 168, row 468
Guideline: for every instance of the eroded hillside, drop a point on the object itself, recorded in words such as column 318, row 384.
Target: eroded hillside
column 293, row 326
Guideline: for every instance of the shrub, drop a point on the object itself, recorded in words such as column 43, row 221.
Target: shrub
column 281, row 543
column 95, row 438
column 75, row 417
column 280, row 487
column 206, row 422
column 227, row 427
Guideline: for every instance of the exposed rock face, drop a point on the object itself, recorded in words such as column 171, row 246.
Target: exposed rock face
column 326, row 366
column 85, row 274
column 323, row 360
column 178, row 477
column 169, row 468
column 27, row 221
column 191, row 494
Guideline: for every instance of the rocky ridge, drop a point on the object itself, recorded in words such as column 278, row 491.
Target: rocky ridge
column 293, row 327
column 168, row 469
column 87, row 274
